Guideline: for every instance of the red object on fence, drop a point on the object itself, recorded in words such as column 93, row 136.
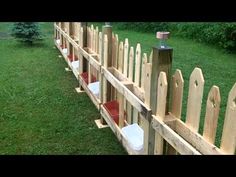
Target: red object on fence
column 112, row 108
column 85, row 77
column 71, row 59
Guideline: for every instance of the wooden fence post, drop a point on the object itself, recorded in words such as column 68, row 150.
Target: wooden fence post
column 83, row 61
column 106, row 30
column 84, row 26
column 161, row 61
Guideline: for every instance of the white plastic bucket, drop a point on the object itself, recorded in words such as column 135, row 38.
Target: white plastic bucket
column 75, row 64
column 64, row 51
column 58, row 41
column 134, row 135
column 94, row 88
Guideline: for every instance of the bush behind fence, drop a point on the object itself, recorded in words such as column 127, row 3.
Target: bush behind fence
column 219, row 34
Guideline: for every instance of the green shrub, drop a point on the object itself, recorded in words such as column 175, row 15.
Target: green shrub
column 219, row 34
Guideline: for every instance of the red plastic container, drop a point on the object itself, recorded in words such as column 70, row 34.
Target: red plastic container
column 71, row 59
column 85, row 77
column 112, row 108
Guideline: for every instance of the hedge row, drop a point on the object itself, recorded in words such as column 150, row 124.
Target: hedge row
column 220, row 34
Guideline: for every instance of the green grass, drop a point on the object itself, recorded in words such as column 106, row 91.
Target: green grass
column 40, row 112
column 218, row 67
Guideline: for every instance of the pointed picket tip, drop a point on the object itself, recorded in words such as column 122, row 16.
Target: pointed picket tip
column 131, row 63
column 197, row 76
column 150, row 56
column 162, row 80
column 144, row 58
column 131, row 52
column 214, row 98
column 179, row 77
column 126, row 56
column 143, row 77
column 138, row 49
column 117, row 37
column 126, row 42
column 121, row 46
column 232, row 97
column 161, row 96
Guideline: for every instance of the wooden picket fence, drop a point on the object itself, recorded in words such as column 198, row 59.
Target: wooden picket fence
column 145, row 92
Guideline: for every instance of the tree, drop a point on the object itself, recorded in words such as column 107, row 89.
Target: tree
column 26, row 32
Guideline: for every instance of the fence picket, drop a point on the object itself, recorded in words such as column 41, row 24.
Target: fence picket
column 196, row 86
column 100, row 47
column 97, row 40
column 143, row 76
column 137, row 64
column 161, row 109
column 212, row 113
column 177, row 93
column 130, row 77
column 121, row 57
column 228, row 141
column 131, row 64
column 126, row 50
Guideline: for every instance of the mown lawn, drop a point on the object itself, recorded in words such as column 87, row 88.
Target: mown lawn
column 40, row 112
